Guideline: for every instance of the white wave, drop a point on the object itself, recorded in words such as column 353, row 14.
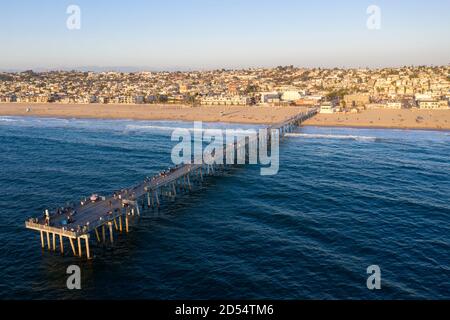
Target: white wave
column 149, row 128
column 330, row 136
column 6, row 119
column 125, row 126
column 191, row 129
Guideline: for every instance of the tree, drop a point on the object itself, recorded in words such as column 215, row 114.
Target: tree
column 160, row 98
column 192, row 100
column 251, row 89
column 337, row 94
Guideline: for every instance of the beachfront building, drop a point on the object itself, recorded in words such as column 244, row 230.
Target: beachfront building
column 434, row 104
column 270, row 97
column 225, row 101
column 394, row 105
column 8, row 98
column 32, row 99
column 422, row 97
column 328, row 108
column 185, row 88
column 309, row 101
column 356, row 100
column 291, row 96
column 151, row 98
column 138, row 99
column 124, row 100
column 103, row 100
column 384, row 105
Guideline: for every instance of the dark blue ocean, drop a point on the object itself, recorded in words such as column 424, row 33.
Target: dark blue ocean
column 344, row 199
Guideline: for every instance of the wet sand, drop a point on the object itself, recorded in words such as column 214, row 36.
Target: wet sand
column 228, row 114
column 392, row 119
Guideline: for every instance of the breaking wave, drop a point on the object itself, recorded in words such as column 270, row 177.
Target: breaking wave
column 332, row 136
column 150, row 128
column 153, row 128
column 7, row 119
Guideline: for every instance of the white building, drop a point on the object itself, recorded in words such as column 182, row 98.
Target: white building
column 291, row 96
column 270, row 97
column 138, row 99
column 420, row 97
column 328, row 108
column 434, row 104
column 226, row 100
column 394, row 105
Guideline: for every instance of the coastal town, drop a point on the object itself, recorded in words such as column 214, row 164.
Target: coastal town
column 333, row 90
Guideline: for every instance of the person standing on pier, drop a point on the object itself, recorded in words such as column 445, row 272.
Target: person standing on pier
column 47, row 218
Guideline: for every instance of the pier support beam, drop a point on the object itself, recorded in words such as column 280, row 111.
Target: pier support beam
column 111, row 234
column 88, row 251
column 80, row 248
column 73, row 247
column 157, row 198
column 103, row 234
column 174, row 189
column 138, row 211
column 61, row 244
column 48, row 241
column 42, row 240
column 189, row 182
column 97, row 235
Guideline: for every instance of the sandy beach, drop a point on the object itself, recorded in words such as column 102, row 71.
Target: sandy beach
column 228, row 114
column 398, row 119
column 394, row 119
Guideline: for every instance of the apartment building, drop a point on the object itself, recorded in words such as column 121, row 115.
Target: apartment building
column 226, row 100
column 328, row 108
column 356, row 100
column 434, row 104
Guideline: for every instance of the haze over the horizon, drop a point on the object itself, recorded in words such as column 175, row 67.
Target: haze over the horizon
column 202, row 34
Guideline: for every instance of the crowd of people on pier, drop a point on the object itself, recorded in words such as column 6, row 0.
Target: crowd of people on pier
column 69, row 212
column 162, row 174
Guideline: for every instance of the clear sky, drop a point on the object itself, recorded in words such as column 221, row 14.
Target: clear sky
column 207, row 34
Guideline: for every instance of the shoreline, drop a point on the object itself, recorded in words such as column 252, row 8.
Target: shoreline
column 331, row 126
column 374, row 128
column 225, row 114
column 430, row 120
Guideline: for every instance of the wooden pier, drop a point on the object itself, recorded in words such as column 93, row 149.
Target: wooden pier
column 71, row 229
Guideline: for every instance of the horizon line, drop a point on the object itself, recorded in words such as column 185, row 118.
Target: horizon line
column 136, row 69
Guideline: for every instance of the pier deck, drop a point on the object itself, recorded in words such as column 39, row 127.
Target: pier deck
column 105, row 215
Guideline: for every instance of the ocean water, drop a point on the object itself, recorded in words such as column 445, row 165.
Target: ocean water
column 344, row 199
